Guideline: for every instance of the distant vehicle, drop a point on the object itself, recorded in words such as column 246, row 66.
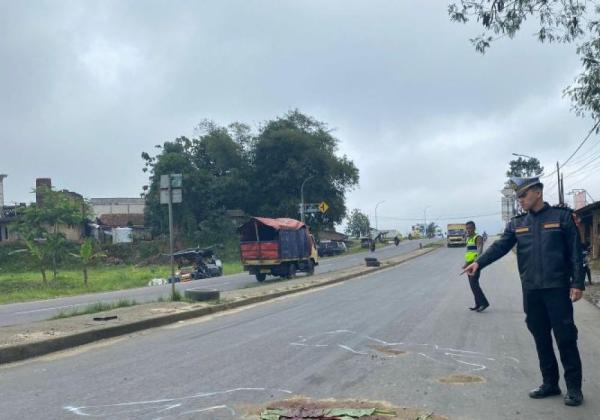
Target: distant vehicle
column 279, row 247
column 331, row 248
column 457, row 234
column 197, row 263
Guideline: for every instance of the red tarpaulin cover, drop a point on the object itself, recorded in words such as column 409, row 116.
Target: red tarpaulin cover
column 281, row 223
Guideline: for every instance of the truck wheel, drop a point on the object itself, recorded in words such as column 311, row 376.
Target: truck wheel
column 291, row 271
column 310, row 267
column 261, row 277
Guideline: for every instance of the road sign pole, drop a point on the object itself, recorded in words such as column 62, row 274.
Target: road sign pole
column 171, row 240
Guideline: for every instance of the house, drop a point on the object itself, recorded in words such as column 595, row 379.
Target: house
column 107, row 225
column 237, row 216
column 8, row 215
column 590, row 226
column 127, row 205
column 331, row 235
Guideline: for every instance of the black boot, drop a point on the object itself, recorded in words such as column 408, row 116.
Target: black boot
column 544, row 390
column 574, row 397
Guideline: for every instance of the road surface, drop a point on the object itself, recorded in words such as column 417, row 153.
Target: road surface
column 26, row 312
column 395, row 335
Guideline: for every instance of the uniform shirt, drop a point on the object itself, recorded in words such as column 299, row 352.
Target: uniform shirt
column 549, row 251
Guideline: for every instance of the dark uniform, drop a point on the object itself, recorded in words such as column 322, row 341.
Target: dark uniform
column 550, row 264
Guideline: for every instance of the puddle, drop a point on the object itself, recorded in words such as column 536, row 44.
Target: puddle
column 389, row 351
column 458, row 378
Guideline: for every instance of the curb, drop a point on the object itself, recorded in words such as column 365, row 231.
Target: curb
column 25, row 351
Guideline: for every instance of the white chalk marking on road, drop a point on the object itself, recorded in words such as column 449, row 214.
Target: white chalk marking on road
column 169, row 407
column 216, row 407
column 83, row 411
column 468, row 355
column 479, row 367
column 352, row 350
column 383, row 341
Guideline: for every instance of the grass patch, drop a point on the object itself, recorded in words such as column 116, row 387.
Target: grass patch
column 28, row 285
column 595, row 264
column 95, row 308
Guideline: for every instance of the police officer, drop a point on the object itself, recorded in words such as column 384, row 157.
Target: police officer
column 552, row 277
column 475, row 248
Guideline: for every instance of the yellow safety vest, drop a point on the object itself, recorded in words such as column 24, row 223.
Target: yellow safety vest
column 471, row 253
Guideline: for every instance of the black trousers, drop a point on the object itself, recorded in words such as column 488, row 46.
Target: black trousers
column 551, row 310
column 480, row 298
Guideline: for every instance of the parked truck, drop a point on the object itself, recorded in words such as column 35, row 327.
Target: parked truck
column 457, row 234
column 277, row 247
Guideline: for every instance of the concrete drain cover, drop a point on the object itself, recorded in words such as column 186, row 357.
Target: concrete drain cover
column 305, row 408
column 389, row 351
column 461, row 379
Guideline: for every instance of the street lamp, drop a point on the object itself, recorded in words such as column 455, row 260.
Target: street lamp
column 302, row 198
column 425, row 219
column 376, row 205
column 520, row 155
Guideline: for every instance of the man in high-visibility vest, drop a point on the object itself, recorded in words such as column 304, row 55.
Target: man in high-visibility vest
column 474, row 249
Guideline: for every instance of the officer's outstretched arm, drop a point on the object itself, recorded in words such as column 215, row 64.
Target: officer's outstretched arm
column 499, row 248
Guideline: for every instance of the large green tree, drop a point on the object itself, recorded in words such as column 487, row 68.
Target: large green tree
column 358, row 224
column 261, row 173
column 563, row 21
column 290, row 149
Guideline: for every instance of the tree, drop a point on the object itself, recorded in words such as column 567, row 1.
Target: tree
column 232, row 168
column 39, row 226
column 430, row 230
column 524, row 167
column 87, row 256
column 287, row 151
column 358, row 224
column 563, row 21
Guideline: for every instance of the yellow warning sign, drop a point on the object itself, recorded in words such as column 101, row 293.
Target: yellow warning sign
column 323, row 207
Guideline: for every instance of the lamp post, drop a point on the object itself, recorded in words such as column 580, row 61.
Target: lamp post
column 425, row 219
column 376, row 205
column 520, row 155
column 302, row 198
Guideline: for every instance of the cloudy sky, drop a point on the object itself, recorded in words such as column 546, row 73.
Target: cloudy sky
column 85, row 87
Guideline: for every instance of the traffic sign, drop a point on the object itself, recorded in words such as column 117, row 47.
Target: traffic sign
column 176, row 196
column 323, row 207
column 176, row 181
column 310, row 208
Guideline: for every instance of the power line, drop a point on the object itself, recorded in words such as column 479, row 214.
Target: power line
column 576, row 150
column 418, row 219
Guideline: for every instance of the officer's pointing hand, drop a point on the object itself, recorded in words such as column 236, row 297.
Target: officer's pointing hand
column 471, row 269
column 575, row 294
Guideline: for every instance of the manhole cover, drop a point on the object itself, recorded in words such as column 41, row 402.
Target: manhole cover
column 461, row 379
column 304, row 408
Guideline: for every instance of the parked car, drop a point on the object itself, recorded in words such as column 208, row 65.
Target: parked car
column 330, row 248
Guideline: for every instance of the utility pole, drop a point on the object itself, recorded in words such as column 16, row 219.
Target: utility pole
column 560, row 196
column 376, row 205
column 425, row 220
column 302, row 198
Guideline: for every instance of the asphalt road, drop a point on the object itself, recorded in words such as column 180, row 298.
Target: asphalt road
column 26, row 312
column 393, row 335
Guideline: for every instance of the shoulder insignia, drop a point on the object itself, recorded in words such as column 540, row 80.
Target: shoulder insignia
column 563, row 208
